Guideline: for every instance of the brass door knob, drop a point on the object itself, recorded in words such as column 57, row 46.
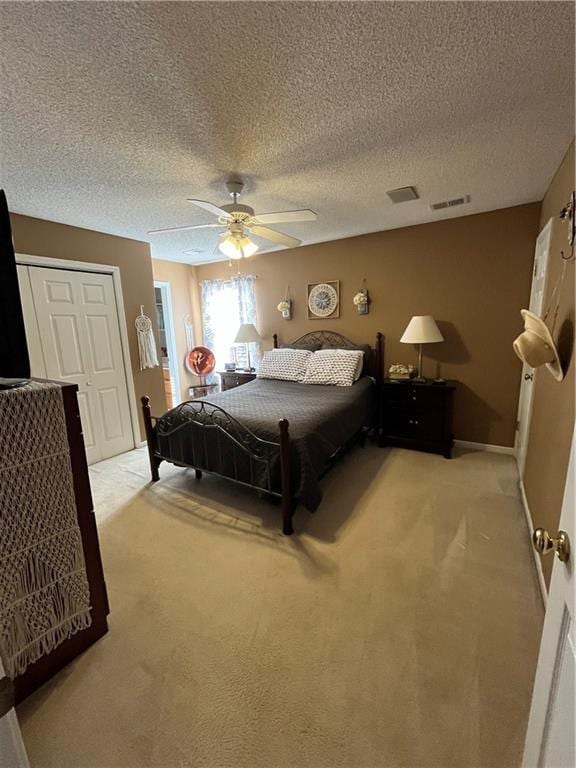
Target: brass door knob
column 544, row 543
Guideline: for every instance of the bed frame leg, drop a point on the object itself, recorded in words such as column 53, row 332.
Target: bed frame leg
column 287, row 500
column 154, row 460
column 198, row 473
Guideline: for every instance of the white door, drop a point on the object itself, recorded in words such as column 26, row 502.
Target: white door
column 550, row 739
column 539, row 275
column 12, row 752
column 77, row 323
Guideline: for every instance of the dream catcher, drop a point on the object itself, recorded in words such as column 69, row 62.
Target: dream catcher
column 146, row 341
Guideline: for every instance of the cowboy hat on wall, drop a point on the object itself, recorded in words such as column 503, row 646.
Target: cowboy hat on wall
column 535, row 345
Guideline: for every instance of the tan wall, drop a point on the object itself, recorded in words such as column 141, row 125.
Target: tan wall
column 552, row 422
column 471, row 273
column 183, row 287
column 60, row 241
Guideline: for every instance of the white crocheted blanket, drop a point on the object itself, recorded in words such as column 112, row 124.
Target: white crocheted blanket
column 44, row 592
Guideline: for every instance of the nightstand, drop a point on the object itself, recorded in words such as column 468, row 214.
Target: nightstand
column 417, row 415
column 231, row 379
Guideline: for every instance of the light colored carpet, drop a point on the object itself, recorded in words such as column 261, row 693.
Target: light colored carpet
column 399, row 628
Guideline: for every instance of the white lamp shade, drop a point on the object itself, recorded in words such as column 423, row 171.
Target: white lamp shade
column 247, row 334
column 422, row 329
column 235, row 247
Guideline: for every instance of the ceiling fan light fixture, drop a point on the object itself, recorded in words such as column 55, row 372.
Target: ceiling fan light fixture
column 236, row 247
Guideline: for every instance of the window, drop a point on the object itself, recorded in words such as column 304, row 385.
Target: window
column 226, row 304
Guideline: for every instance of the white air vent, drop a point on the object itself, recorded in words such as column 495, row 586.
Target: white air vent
column 451, row 203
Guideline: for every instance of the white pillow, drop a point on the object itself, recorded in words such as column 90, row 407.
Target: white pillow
column 356, row 353
column 284, row 364
column 333, row 366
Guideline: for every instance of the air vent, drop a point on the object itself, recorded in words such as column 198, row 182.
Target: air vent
column 403, row 194
column 451, row 203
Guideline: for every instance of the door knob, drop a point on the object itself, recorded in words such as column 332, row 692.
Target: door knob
column 544, row 543
column 528, row 377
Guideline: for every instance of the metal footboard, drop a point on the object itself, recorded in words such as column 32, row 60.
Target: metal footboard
column 205, row 437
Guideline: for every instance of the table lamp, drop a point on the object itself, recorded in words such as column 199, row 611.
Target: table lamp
column 247, row 334
column 422, row 329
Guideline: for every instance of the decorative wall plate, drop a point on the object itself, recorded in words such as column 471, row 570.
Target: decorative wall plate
column 200, row 361
column 324, row 300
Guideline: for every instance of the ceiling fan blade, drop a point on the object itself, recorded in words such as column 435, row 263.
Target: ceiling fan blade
column 181, row 229
column 275, row 237
column 285, row 216
column 210, row 207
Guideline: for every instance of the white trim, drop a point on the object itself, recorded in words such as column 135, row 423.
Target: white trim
column 104, row 269
column 537, row 561
column 511, row 452
column 507, row 450
column 170, row 332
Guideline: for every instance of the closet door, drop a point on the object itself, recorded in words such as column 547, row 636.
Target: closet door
column 78, row 326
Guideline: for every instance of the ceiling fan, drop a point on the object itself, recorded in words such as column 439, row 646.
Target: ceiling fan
column 238, row 220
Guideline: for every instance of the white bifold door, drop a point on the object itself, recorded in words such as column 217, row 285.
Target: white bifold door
column 73, row 335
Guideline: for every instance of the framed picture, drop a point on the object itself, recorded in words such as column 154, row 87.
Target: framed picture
column 323, row 300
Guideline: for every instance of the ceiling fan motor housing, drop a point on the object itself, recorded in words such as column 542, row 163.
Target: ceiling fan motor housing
column 238, row 211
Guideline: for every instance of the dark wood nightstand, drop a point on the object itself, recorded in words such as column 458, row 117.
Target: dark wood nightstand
column 231, row 379
column 417, row 415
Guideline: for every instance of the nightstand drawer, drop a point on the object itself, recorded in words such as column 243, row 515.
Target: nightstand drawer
column 428, row 396
column 416, row 423
column 235, row 379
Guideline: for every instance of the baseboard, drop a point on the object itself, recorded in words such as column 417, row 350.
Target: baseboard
column 508, row 450
column 537, row 561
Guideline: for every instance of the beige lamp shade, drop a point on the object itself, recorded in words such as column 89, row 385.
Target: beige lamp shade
column 422, row 329
column 247, row 334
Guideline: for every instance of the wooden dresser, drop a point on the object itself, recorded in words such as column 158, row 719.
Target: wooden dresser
column 417, row 415
column 231, row 379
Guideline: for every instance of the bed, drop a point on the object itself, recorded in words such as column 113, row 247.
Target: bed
column 278, row 437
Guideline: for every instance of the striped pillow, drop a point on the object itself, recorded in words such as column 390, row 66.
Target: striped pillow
column 335, row 367
column 284, row 364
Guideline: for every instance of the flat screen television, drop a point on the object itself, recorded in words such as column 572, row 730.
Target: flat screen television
column 14, row 360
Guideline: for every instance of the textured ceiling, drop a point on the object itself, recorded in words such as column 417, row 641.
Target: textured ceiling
column 113, row 113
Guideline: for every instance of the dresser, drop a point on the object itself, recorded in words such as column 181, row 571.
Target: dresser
column 417, row 415
column 231, row 379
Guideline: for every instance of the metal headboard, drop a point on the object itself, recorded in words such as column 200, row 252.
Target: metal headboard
column 336, row 340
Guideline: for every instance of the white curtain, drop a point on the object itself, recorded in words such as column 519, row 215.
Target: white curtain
column 226, row 304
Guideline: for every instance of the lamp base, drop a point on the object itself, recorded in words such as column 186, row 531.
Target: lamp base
column 419, row 379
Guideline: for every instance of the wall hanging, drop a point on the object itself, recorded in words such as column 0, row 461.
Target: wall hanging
column 285, row 306
column 535, row 345
column 361, row 299
column 323, row 300
column 146, row 341
column 568, row 213
column 189, row 331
